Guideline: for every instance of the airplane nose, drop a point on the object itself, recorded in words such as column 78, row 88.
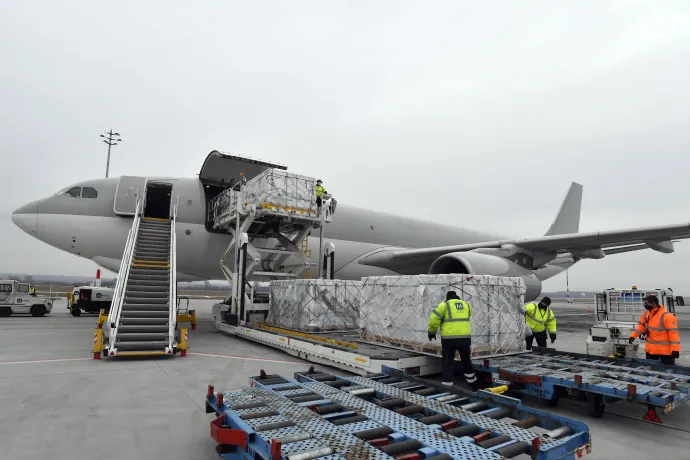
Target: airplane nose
column 26, row 218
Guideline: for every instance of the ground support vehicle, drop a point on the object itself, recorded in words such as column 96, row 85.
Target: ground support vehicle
column 320, row 415
column 551, row 374
column 15, row 298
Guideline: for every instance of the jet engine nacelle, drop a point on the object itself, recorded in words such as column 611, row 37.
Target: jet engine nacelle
column 472, row 263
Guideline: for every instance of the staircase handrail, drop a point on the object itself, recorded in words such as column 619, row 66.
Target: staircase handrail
column 172, row 263
column 123, row 274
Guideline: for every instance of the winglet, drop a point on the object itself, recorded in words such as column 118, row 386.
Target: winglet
column 568, row 218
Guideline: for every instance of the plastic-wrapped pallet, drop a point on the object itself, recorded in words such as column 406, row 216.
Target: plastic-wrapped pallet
column 281, row 188
column 315, row 304
column 395, row 310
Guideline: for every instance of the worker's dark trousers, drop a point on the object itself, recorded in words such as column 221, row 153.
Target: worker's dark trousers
column 663, row 359
column 318, row 201
column 539, row 336
column 463, row 346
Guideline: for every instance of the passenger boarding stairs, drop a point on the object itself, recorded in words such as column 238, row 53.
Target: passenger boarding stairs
column 269, row 218
column 143, row 320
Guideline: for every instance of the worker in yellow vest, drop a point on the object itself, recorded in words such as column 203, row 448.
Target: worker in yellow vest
column 320, row 190
column 540, row 318
column 453, row 316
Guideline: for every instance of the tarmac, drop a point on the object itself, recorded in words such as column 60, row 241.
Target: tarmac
column 57, row 402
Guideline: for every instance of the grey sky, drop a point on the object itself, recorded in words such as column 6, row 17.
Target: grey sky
column 477, row 113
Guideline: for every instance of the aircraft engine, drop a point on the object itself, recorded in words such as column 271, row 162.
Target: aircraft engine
column 472, row 263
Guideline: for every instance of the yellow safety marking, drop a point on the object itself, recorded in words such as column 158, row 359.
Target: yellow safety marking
column 102, row 318
column 156, row 219
column 360, row 360
column 140, row 353
column 342, row 343
column 141, row 261
column 285, row 208
column 498, row 390
column 149, row 266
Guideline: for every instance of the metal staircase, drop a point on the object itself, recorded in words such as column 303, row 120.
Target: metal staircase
column 143, row 318
column 270, row 218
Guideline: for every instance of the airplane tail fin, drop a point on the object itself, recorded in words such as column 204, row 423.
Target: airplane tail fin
column 568, row 218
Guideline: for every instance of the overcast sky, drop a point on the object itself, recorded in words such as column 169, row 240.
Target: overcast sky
column 479, row 114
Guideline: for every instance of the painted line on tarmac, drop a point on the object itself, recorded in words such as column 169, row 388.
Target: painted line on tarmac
column 246, row 358
column 39, row 361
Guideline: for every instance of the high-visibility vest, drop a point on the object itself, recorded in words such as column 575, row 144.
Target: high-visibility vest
column 32, row 290
column 320, row 190
column 661, row 328
column 539, row 320
column 454, row 318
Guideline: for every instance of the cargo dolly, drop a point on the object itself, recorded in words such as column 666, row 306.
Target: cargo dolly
column 320, row 415
column 551, row 374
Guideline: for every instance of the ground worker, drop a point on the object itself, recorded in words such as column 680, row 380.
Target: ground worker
column 453, row 316
column 320, row 190
column 540, row 318
column 661, row 327
column 32, row 291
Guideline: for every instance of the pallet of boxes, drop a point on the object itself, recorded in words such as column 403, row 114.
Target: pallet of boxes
column 394, row 310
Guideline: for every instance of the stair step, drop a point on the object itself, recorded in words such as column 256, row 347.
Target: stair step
column 145, row 307
column 142, row 346
column 158, row 271
column 161, row 292
column 142, row 328
column 146, row 300
column 154, row 232
column 141, row 336
column 142, row 284
column 144, row 279
column 143, row 315
column 161, row 257
column 152, row 247
column 153, row 239
column 147, row 287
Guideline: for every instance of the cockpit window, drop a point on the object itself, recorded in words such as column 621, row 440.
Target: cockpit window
column 74, row 192
column 89, row 192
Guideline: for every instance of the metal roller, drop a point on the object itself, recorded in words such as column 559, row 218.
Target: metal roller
column 307, row 398
column 274, row 381
column 322, row 377
column 440, row 457
column 500, row 413
column 409, row 410
column 559, row 432
column 390, row 380
column 513, row 450
column 309, row 454
column 347, row 420
column 328, row 409
column 448, row 398
column 434, row 419
column 403, row 447
column 255, row 405
column 294, row 438
column 299, row 395
column 427, row 392
column 274, row 426
column 374, row 433
column 527, row 423
column 338, row 383
column 501, row 439
column 291, row 387
column 361, row 391
column 390, row 403
column 474, row 407
column 253, row 415
column 465, row 430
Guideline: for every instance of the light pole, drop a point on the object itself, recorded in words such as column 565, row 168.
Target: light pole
column 110, row 141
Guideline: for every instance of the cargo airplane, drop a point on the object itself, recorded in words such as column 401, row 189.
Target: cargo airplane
column 91, row 219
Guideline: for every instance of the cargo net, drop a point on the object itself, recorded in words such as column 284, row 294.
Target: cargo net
column 315, row 305
column 272, row 189
column 395, row 311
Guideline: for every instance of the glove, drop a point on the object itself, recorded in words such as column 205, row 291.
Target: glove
column 675, row 354
column 631, row 340
column 432, row 336
column 553, row 337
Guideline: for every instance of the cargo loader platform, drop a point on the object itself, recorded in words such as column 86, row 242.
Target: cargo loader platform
column 320, row 415
column 551, row 374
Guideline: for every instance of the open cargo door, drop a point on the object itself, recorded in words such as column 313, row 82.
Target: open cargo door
column 223, row 170
column 126, row 194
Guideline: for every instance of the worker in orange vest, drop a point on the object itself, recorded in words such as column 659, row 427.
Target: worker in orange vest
column 661, row 327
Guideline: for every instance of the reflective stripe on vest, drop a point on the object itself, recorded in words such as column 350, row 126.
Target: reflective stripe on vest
column 450, row 319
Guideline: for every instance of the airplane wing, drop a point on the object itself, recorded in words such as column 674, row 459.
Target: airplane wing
column 561, row 238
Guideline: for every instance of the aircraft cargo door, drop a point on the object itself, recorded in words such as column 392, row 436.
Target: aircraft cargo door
column 126, row 194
